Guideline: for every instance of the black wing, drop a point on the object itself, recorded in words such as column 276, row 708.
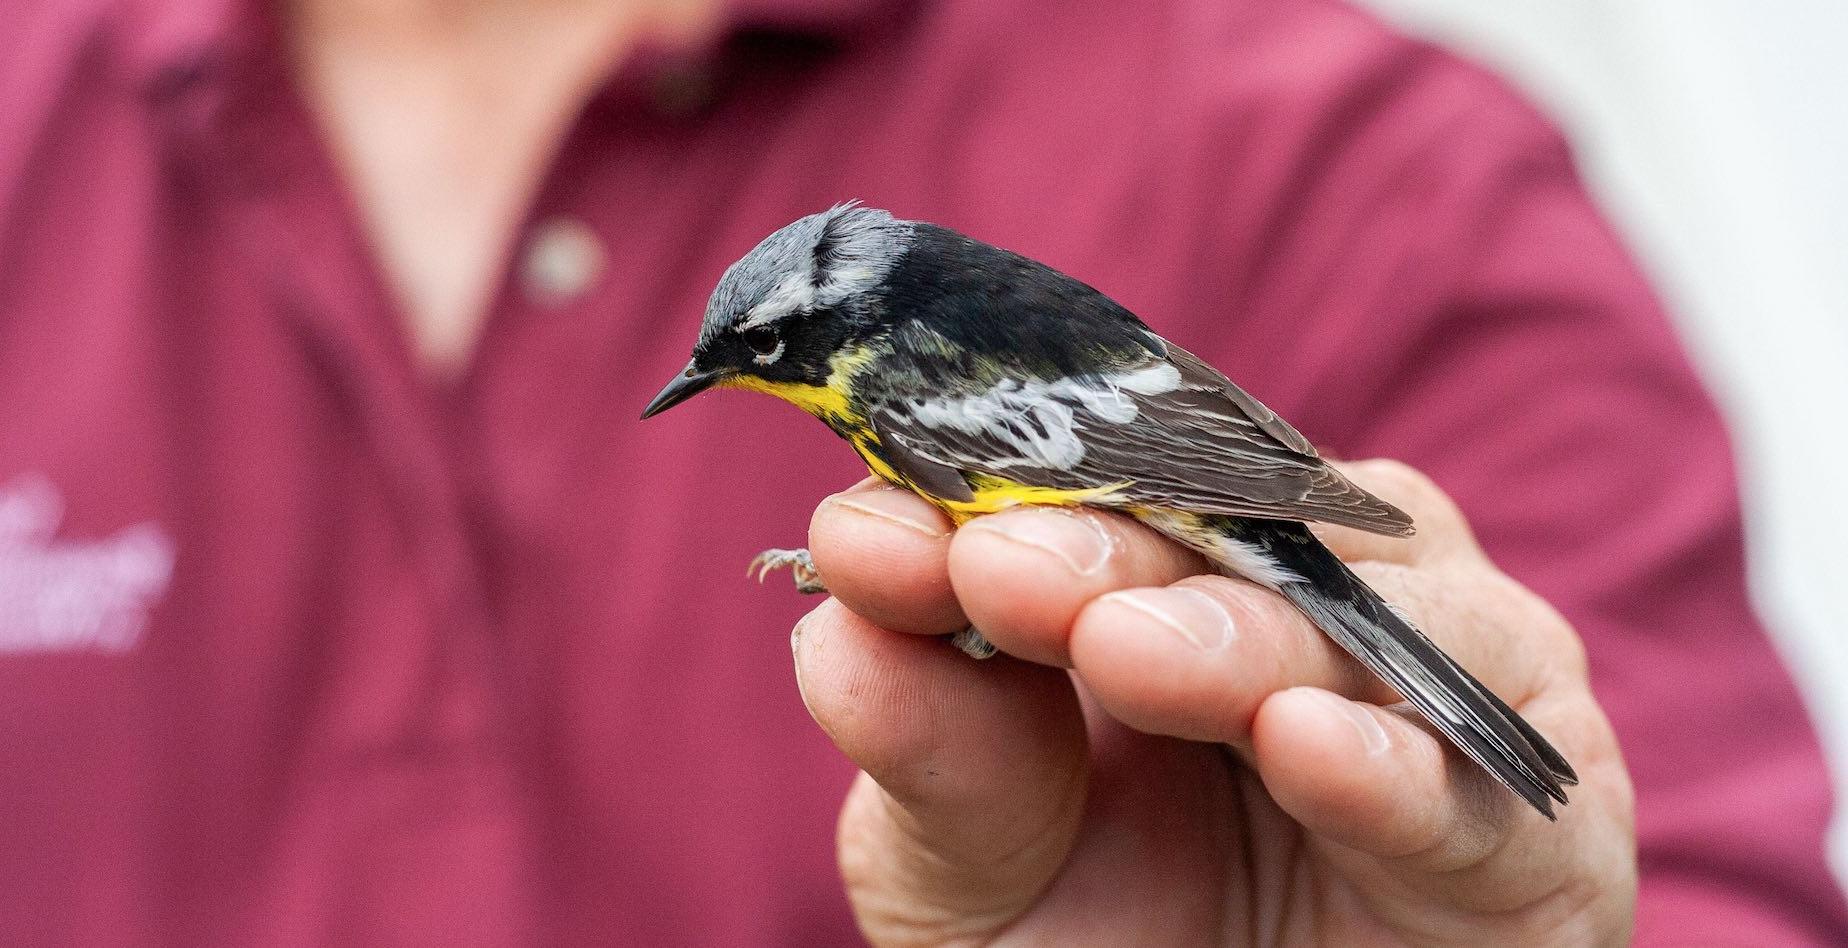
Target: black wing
column 1170, row 427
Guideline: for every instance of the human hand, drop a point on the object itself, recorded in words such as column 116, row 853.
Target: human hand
column 1212, row 769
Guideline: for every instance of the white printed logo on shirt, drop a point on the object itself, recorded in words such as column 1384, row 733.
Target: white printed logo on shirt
column 66, row 595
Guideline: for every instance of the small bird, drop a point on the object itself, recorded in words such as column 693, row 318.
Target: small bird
column 982, row 380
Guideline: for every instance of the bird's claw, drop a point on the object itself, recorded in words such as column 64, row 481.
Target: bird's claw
column 799, row 564
column 973, row 643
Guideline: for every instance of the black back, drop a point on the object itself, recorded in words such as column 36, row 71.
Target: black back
column 989, row 300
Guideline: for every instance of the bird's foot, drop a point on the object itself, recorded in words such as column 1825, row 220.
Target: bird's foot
column 973, row 644
column 801, row 567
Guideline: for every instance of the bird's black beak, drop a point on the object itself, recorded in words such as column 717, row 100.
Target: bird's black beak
column 684, row 386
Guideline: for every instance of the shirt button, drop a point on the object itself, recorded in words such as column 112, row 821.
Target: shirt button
column 563, row 260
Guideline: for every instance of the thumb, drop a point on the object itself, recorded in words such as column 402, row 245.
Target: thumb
column 973, row 783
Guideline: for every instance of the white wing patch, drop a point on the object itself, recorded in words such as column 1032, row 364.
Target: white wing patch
column 1040, row 419
column 1157, row 379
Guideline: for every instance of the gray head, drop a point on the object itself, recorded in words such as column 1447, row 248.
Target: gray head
column 802, row 295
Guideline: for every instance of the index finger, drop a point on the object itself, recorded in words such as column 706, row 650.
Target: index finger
column 884, row 553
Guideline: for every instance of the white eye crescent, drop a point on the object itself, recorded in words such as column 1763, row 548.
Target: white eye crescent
column 771, row 356
column 767, row 343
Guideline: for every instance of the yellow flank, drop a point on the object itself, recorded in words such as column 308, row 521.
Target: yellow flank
column 863, row 440
column 999, row 493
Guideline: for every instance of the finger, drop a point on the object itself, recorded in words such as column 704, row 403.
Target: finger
column 1398, row 808
column 1389, row 799
column 884, row 553
column 1370, row 780
column 976, row 770
column 1196, row 659
column 1024, row 575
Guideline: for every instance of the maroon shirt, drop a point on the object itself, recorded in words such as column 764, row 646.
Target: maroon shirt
column 296, row 646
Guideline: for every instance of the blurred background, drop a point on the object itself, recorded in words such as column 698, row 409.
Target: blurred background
column 1716, row 134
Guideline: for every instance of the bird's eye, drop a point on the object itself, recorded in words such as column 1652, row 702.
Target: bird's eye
column 765, row 342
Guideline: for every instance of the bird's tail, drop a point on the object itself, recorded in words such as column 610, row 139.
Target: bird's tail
column 1351, row 613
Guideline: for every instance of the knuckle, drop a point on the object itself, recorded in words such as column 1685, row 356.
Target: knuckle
column 1400, row 483
column 1390, row 475
column 1551, row 632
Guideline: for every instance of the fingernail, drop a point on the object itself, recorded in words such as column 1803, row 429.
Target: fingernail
column 1079, row 542
column 873, row 503
column 1199, row 619
column 1372, row 735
